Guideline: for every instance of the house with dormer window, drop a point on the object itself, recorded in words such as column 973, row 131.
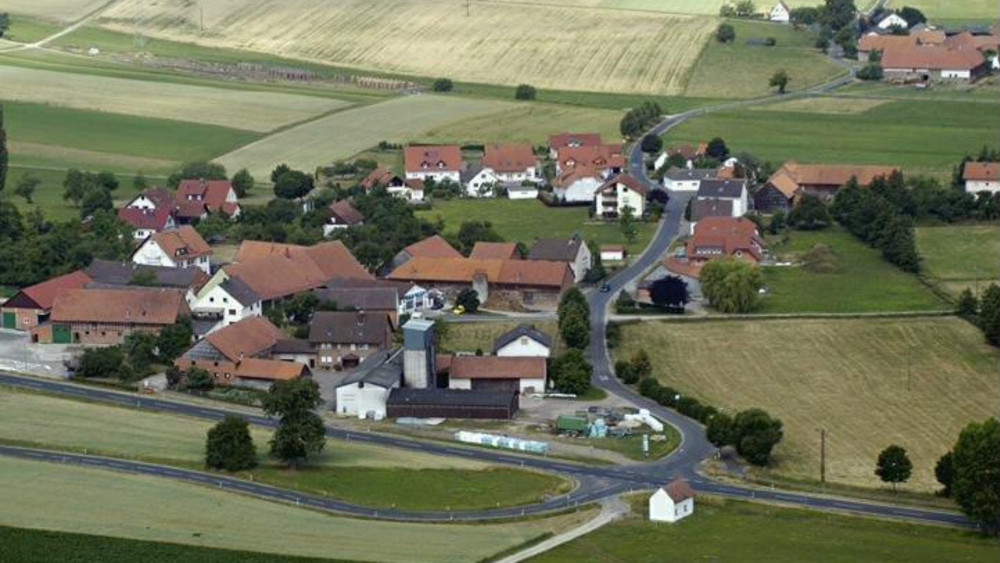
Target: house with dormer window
column 177, row 248
column 438, row 163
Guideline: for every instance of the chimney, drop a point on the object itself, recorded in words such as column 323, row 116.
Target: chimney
column 361, row 318
column 240, row 360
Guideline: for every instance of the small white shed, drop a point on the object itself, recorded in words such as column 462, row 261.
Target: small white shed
column 780, row 13
column 672, row 502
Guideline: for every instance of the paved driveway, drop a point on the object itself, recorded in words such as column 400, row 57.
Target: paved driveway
column 17, row 354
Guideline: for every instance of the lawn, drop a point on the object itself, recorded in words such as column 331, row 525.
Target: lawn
column 524, row 221
column 48, row 194
column 532, row 123
column 739, row 70
column 938, row 10
column 363, row 474
column 961, row 255
column 24, row 29
column 861, row 283
column 468, row 337
column 346, row 133
column 920, row 136
column 869, row 382
column 734, row 531
column 90, row 501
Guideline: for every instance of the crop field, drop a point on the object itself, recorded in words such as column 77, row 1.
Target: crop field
column 698, row 7
column 532, row 123
column 740, row 70
column 253, row 111
column 935, row 10
column 961, row 255
column 524, row 221
column 742, row 532
column 66, row 10
column 921, row 136
column 346, row 133
column 859, row 281
column 91, row 501
column 548, row 46
column 869, row 382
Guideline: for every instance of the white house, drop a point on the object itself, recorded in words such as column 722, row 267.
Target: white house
column 672, row 502
column 577, row 185
column 687, row 179
column 733, row 190
column 363, row 392
column 780, row 13
column 620, row 192
column 228, row 299
column 982, row 177
column 612, row 253
column 438, row 163
column 522, row 192
column 511, row 163
column 177, row 248
column 479, row 181
column 893, row 20
column 524, row 374
column 524, row 341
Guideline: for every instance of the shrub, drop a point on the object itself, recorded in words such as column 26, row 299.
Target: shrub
column 725, row 33
column 525, row 92
column 443, row 85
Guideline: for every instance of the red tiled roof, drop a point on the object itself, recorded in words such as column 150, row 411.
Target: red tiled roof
column 600, row 157
column 432, row 247
column 136, row 306
column 537, row 273
column 345, row 213
column 564, row 140
column 885, row 42
column 725, row 234
column 277, row 270
column 679, row 490
column 981, row 171
column 212, row 193
column 381, row 176
column 44, row 293
column 509, row 158
column 447, row 158
column 626, row 179
column 146, row 219
column 246, row 338
column 190, row 209
column 828, row 174
column 494, row 367
column 494, row 250
column 932, row 57
column 183, row 242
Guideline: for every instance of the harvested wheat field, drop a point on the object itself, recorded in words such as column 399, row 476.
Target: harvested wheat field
column 64, row 10
column 829, row 106
column 548, row 46
column 239, row 109
column 698, row 7
column 346, row 133
column 869, row 382
column 527, row 123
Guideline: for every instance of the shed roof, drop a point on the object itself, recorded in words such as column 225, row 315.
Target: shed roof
column 494, row 367
column 44, row 294
column 246, row 338
column 522, row 330
column 450, row 397
column 556, row 249
column 132, row 305
column 679, row 490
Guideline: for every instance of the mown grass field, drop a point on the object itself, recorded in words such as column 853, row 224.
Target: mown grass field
column 862, row 282
column 869, row 382
column 739, row 70
column 24, row 29
column 741, row 532
column 531, row 123
column 362, row 474
column 937, row 10
column 920, row 136
column 527, row 220
column 549, row 46
column 961, row 255
column 91, row 501
column 349, row 132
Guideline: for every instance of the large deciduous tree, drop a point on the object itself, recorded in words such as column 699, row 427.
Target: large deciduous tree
column 4, row 155
column 731, row 286
column 242, row 182
column 229, row 445
column 197, row 171
column 571, row 372
column 755, row 433
column 893, row 465
column 976, row 463
column 779, row 80
column 989, row 314
column 671, row 292
column 300, row 430
column 809, row 213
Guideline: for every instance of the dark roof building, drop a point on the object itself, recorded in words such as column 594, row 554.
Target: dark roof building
column 522, row 330
column 351, row 328
column 112, row 273
column 676, row 173
column 556, row 249
column 379, row 298
column 710, row 207
column 452, row 403
column 383, row 368
column 728, row 189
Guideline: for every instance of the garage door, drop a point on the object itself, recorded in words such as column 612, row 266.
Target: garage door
column 61, row 334
column 9, row 320
column 496, row 384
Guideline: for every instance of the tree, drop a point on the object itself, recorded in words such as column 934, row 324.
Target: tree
column 4, row 155
column 893, row 466
column 778, row 223
column 989, row 314
column 671, row 292
column 652, row 144
column 174, row 339
column 571, row 372
column 596, row 271
column 806, row 15
column 780, row 81
column 976, row 463
column 197, row 171
column 198, row 379
column 575, row 330
column 641, row 365
column 278, row 171
column 94, row 200
column 731, row 286
column 968, row 304
column 755, row 434
column 471, row 232
column 139, row 182
column 140, row 348
column 242, row 182
column 837, row 14
column 719, row 430
column 725, row 33
column 300, row 430
column 469, row 299
column 74, row 186
column 871, row 71
column 624, row 372
column 745, row 9
column 26, row 186
column 628, row 225
column 293, row 184
column 809, row 213
column 443, row 85
column 229, row 445
column 944, row 472
column 912, row 16
column 525, row 92
column 717, row 149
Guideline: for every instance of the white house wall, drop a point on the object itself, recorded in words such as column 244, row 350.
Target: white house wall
column 357, row 400
column 524, row 347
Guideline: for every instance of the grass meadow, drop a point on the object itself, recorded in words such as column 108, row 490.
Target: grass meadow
column 90, row 501
column 531, row 123
column 921, row 136
column 527, row 220
column 869, row 382
column 961, row 256
column 742, row 532
column 952, row 10
column 24, row 29
column 358, row 473
column 862, row 281
column 48, row 194
column 468, row 337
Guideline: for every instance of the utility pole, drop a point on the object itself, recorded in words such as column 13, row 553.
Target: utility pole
column 822, row 455
column 137, row 39
column 468, row 8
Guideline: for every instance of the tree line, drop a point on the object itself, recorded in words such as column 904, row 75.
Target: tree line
column 874, row 215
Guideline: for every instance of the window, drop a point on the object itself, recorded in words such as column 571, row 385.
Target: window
column 232, row 312
column 225, row 300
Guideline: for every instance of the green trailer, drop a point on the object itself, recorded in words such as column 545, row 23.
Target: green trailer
column 572, row 425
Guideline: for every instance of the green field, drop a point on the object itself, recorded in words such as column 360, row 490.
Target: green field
column 741, row 532
column 945, row 10
column 48, row 194
column 922, row 137
column 90, row 501
column 738, row 70
column 467, row 337
column 869, row 382
column 362, row 474
column 24, row 29
column 862, row 282
column 532, row 123
column 524, row 221
column 961, row 255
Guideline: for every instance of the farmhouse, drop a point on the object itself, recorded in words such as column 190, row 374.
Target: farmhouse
column 934, row 62
column 824, row 180
column 479, row 181
column 524, row 341
column 371, row 295
column 342, row 215
column 382, row 177
column 365, row 391
column 109, row 273
column 178, row 248
column 32, row 305
column 343, row 338
column 224, row 301
column 198, row 198
column 672, row 502
column 571, row 140
column 573, row 251
column 511, row 163
column 981, row 177
column 725, row 237
column 618, row 194
column 687, row 179
column 780, row 13
column 452, row 403
column 438, row 163
column 150, row 212
column 493, row 373
column 107, row 316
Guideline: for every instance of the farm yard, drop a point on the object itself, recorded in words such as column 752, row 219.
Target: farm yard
column 869, row 382
column 53, row 497
column 851, row 278
column 527, row 220
column 960, row 256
